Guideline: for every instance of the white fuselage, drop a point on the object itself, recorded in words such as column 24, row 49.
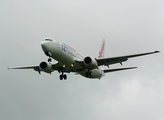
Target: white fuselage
column 67, row 57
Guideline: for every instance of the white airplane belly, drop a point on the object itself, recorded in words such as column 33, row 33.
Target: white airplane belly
column 66, row 59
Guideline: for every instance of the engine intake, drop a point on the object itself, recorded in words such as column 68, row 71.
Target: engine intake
column 90, row 62
column 46, row 67
column 87, row 60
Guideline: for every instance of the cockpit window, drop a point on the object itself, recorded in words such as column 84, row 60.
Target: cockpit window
column 48, row 40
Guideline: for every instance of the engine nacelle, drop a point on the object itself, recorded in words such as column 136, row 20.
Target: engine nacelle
column 90, row 62
column 46, row 67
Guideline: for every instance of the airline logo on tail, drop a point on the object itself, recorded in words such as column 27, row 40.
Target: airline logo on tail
column 101, row 53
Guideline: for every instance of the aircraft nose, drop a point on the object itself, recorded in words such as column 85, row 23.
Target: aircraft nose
column 44, row 45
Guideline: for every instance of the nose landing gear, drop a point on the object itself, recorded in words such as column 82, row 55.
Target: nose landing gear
column 62, row 76
column 49, row 55
column 49, row 59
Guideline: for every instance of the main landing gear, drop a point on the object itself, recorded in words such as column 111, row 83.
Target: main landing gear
column 63, row 76
column 88, row 74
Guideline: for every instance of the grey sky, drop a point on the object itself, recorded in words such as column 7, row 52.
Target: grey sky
column 129, row 26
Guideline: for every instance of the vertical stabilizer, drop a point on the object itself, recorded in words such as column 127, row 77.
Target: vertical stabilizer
column 102, row 49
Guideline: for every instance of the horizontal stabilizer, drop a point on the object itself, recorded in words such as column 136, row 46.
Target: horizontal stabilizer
column 118, row 69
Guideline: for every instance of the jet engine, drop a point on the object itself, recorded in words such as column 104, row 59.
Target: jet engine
column 90, row 62
column 46, row 67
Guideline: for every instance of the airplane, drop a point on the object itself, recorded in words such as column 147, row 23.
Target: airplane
column 70, row 60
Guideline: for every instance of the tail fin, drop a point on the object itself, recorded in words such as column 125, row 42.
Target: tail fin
column 101, row 52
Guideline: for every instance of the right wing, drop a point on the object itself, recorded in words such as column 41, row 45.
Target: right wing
column 35, row 67
column 56, row 67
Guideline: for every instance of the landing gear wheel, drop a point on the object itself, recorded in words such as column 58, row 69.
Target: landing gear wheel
column 89, row 74
column 61, row 77
column 65, row 76
column 49, row 60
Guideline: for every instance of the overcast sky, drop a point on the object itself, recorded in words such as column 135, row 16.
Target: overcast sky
column 129, row 27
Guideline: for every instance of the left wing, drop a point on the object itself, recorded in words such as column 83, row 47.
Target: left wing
column 120, row 59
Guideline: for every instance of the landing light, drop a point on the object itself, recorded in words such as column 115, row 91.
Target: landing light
column 71, row 65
